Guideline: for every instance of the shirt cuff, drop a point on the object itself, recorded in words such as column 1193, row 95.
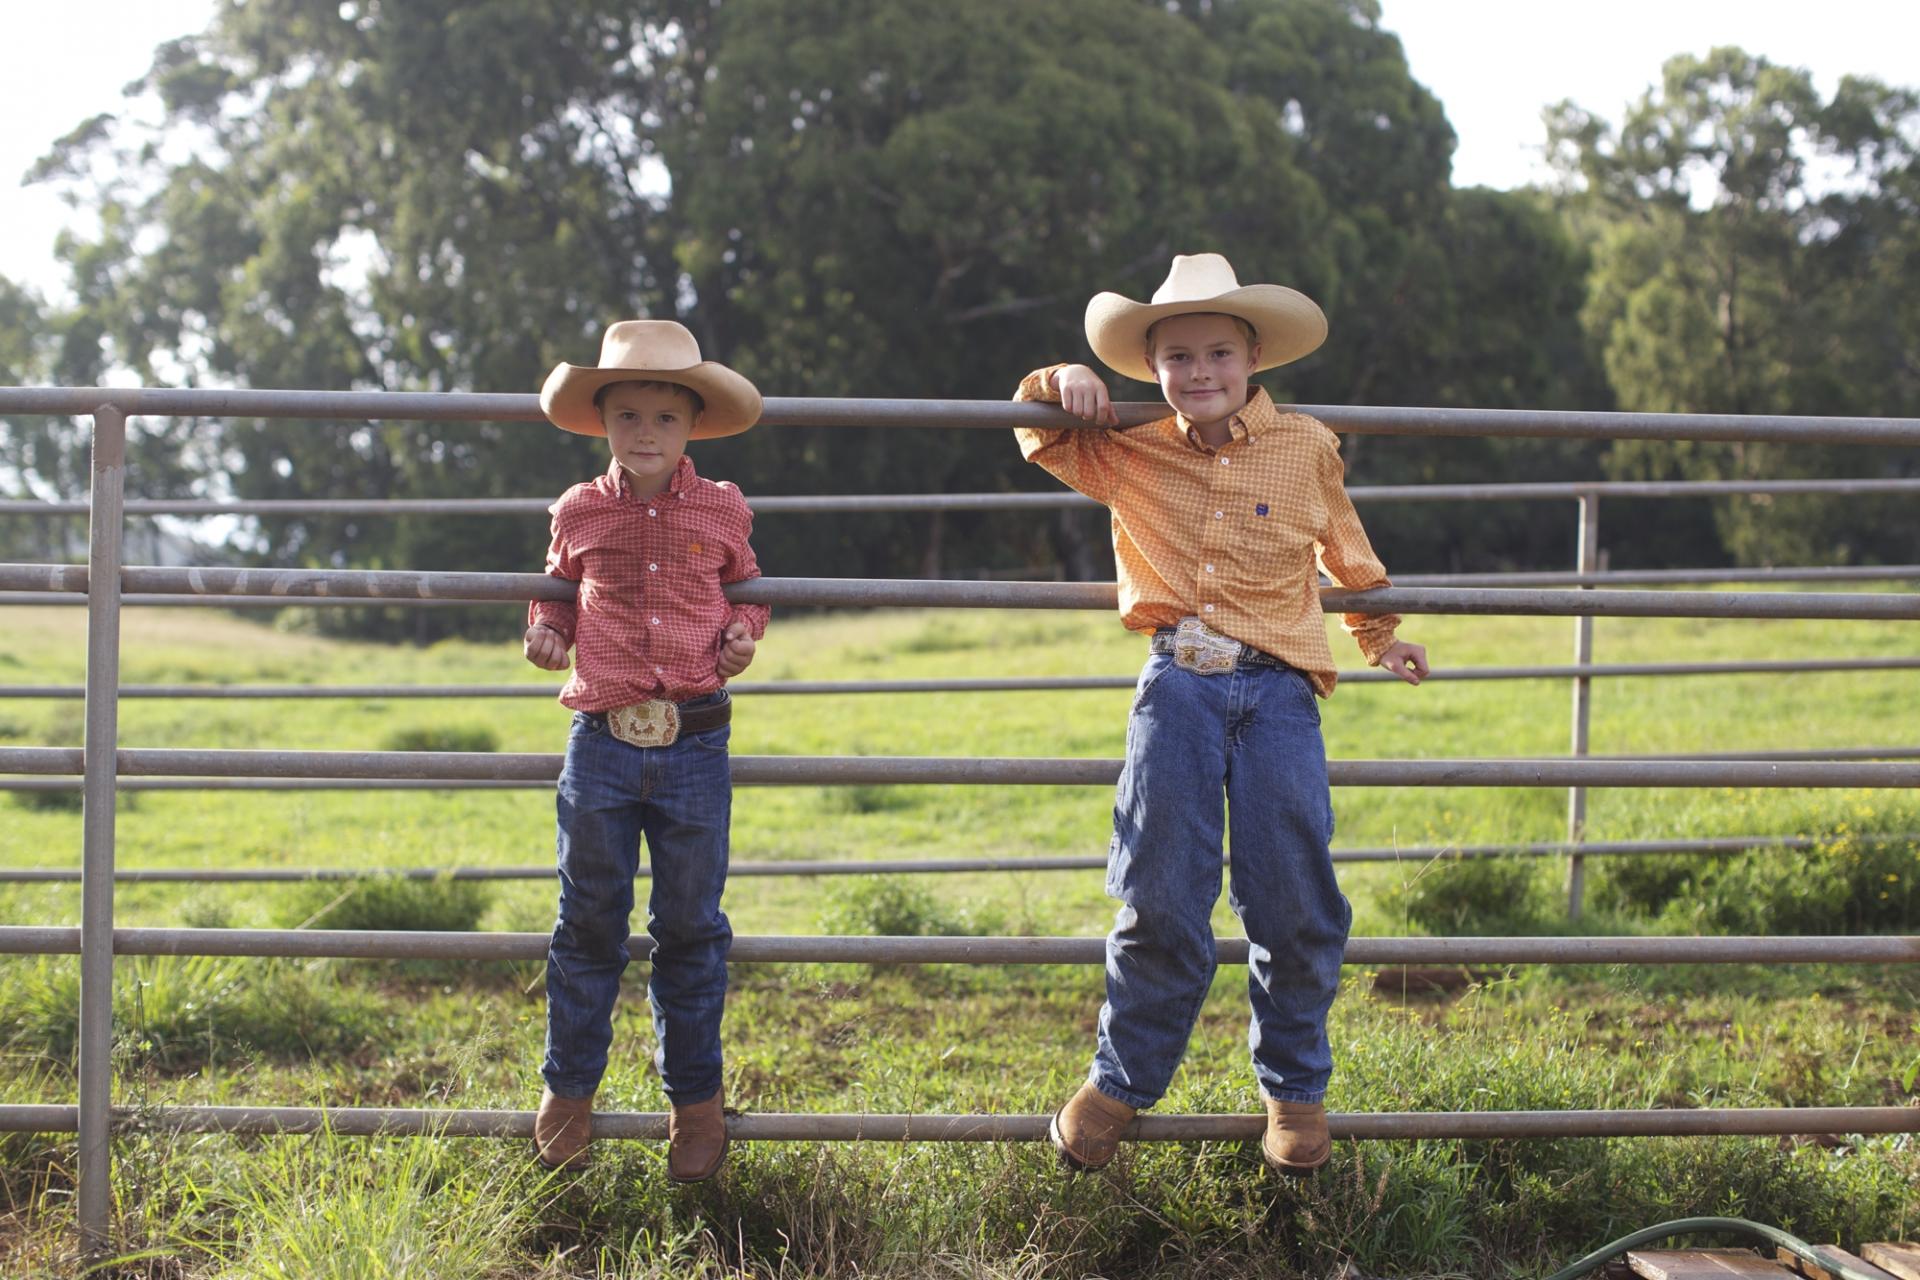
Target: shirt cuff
column 556, row 615
column 1378, row 638
column 1038, row 386
column 755, row 616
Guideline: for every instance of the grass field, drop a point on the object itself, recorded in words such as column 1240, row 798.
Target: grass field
column 849, row 1038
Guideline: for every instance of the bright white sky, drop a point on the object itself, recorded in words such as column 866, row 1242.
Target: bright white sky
column 1494, row 64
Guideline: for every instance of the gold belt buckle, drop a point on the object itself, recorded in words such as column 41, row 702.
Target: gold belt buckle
column 646, row 724
column 1200, row 649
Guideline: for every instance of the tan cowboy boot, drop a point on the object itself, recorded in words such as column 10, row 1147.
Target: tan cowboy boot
column 562, row 1128
column 696, row 1140
column 1296, row 1142
column 1086, row 1132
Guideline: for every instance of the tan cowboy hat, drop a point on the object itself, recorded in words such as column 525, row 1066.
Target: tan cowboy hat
column 650, row 351
column 1286, row 323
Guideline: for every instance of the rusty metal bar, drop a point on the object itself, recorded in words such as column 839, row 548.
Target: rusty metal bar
column 782, row 411
column 1815, row 574
column 395, row 586
column 1025, row 684
column 1665, row 577
column 854, row 503
column 286, row 784
column 1662, row 771
column 366, row 944
column 933, row 866
column 1664, row 1122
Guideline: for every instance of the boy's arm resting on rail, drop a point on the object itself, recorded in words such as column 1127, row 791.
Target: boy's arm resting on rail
column 555, row 617
column 1347, row 557
column 741, row 565
column 1077, row 456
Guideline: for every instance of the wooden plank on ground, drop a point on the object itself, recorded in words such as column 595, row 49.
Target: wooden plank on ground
column 1704, row 1264
column 1831, row 1255
column 1902, row 1260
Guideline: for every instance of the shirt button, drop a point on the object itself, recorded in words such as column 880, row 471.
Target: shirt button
column 656, row 621
column 1219, row 515
column 1209, row 608
column 659, row 671
column 1209, row 568
column 653, row 568
column 1224, row 460
column 652, row 512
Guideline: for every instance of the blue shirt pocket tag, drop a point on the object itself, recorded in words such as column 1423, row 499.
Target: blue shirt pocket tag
column 1260, row 509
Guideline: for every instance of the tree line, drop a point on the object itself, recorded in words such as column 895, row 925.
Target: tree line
column 907, row 198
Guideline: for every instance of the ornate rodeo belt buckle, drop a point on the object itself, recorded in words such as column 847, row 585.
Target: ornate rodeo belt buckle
column 1200, row 649
column 646, row 724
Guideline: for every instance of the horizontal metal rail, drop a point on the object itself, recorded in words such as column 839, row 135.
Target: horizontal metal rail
column 965, row 684
column 395, row 586
column 777, row 771
column 825, row 778
column 786, row 411
column 1675, row 1122
column 1525, row 578
column 1670, row 577
column 934, row 866
column 373, row 944
column 855, row 503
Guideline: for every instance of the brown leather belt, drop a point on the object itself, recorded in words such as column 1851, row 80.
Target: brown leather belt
column 661, row 723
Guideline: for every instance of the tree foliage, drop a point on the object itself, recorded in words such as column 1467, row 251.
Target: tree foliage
column 1755, row 248
column 870, row 197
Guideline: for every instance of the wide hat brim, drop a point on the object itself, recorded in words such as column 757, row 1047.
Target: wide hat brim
column 1286, row 323
column 732, row 404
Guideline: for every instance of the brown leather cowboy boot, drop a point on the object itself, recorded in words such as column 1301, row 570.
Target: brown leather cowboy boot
column 1086, row 1132
column 1296, row 1142
column 562, row 1128
column 696, row 1140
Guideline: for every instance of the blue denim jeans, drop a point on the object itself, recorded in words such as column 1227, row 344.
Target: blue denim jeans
column 680, row 798
column 1251, row 738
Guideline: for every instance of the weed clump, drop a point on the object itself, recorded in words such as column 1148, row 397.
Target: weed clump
column 1496, row 896
column 891, row 906
column 184, row 1013
column 442, row 737
column 442, row 904
column 1846, row 884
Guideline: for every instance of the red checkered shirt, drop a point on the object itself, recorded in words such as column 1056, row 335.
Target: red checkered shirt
column 650, row 613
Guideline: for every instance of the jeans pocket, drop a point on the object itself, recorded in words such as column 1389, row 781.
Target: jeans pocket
column 1303, row 688
column 1157, row 666
column 712, row 739
column 586, row 722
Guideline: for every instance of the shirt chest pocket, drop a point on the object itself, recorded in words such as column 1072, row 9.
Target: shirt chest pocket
column 1273, row 538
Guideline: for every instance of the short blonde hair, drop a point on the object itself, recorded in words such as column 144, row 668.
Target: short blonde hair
column 1247, row 331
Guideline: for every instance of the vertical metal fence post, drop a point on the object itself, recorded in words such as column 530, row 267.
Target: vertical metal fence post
column 104, row 534
column 1586, row 558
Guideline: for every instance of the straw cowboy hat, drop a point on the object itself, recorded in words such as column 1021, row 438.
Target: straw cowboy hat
column 650, row 351
column 1286, row 323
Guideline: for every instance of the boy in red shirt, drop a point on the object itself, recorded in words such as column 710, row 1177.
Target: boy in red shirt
column 1222, row 513
column 651, row 544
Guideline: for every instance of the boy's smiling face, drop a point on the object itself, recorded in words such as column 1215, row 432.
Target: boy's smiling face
column 647, row 429
column 1202, row 363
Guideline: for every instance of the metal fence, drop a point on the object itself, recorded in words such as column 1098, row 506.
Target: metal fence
column 100, row 764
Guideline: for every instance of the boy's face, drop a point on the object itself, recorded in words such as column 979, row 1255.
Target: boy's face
column 647, row 430
column 1203, row 363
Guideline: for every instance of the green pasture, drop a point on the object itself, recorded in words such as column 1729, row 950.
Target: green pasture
column 851, row 1038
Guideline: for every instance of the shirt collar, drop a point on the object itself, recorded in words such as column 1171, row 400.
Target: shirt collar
column 1254, row 417
column 683, row 474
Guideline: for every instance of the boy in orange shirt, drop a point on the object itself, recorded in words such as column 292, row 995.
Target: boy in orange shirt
column 1221, row 515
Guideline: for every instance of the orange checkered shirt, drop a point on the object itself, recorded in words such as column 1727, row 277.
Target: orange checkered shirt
column 1233, row 535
